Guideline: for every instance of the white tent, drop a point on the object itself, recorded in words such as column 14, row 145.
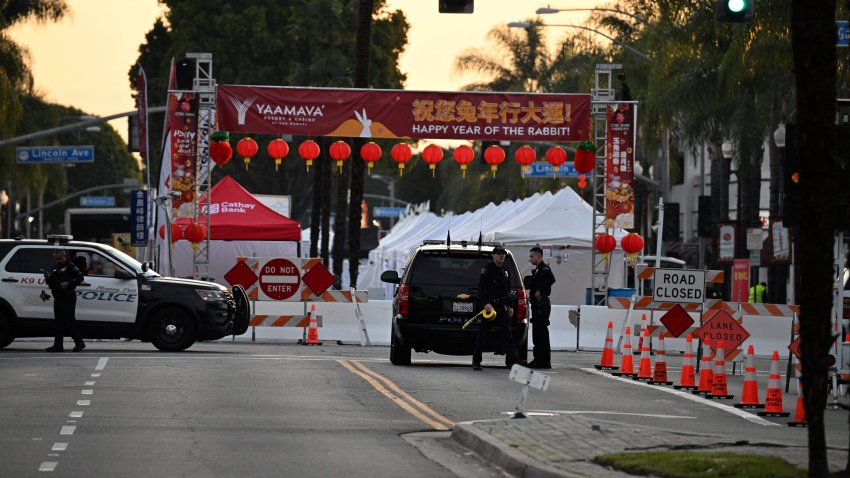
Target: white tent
column 560, row 222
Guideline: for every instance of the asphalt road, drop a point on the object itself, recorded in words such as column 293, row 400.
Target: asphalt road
column 231, row 409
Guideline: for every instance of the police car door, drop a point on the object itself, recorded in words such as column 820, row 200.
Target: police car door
column 102, row 297
column 24, row 286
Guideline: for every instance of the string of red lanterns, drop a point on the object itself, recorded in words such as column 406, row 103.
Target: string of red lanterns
column 370, row 152
column 463, row 155
column 604, row 244
column 339, row 151
column 632, row 243
column 277, row 149
column 584, row 161
column 432, row 155
column 401, row 154
column 556, row 156
column 494, row 156
column 525, row 155
column 247, row 148
column 309, row 150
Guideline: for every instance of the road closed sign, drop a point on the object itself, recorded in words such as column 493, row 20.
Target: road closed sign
column 280, row 279
column 679, row 285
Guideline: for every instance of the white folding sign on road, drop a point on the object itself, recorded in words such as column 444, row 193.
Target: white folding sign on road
column 679, row 285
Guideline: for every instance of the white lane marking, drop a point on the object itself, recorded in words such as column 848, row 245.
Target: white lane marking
column 76, row 414
column 68, row 430
column 70, row 421
column 83, row 403
column 48, row 465
column 101, row 364
column 87, row 391
column 95, row 375
column 688, row 396
column 53, row 454
column 90, row 383
column 601, row 412
column 60, row 446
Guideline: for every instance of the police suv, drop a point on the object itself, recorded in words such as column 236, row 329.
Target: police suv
column 119, row 298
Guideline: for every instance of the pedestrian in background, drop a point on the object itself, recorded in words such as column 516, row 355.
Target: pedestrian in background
column 494, row 291
column 539, row 285
column 62, row 279
column 757, row 293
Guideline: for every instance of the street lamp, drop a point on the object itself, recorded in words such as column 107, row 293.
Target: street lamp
column 527, row 25
column 547, row 10
column 390, row 182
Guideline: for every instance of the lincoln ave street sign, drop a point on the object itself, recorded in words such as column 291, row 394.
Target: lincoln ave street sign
column 54, row 154
column 679, row 285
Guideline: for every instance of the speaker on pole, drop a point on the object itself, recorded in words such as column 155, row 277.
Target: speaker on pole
column 704, row 226
column 185, row 73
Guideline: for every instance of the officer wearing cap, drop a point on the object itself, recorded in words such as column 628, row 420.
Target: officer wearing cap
column 494, row 288
column 539, row 285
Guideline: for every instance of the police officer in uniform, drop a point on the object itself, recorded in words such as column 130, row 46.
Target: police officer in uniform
column 62, row 279
column 494, row 290
column 539, row 285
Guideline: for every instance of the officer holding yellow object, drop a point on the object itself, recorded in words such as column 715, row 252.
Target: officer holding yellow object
column 494, row 288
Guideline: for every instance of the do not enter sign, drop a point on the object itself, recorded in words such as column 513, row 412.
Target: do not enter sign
column 280, row 279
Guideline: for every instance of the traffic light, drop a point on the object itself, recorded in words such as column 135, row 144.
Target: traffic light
column 671, row 222
column 791, row 179
column 457, row 6
column 735, row 11
column 704, row 225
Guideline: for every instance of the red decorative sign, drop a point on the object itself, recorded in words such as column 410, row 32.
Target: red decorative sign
column 280, row 279
column 740, row 280
column 182, row 116
column 403, row 114
column 677, row 320
column 619, row 165
column 241, row 274
column 794, row 347
column 723, row 327
column 318, row 279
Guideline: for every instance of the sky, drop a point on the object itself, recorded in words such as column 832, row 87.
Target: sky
column 83, row 60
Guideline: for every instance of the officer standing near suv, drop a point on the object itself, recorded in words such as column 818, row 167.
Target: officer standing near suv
column 539, row 285
column 62, row 279
column 494, row 289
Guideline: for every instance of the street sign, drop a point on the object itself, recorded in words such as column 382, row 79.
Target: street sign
column 526, row 376
column 97, row 201
column 542, row 169
column 794, row 347
column 755, row 239
column 843, row 27
column 679, row 285
column 54, row 154
column 387, row 211
column 138, row 217
column 318, row 279
column 677, row 320
column 721, row 326
column 280, row 279
column 241, row 274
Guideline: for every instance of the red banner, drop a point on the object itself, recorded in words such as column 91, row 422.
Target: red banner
column 183, row 124
column 403, row 114
column 620, row 165
column 740, row 280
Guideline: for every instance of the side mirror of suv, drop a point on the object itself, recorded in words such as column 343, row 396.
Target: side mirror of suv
column 122, row 274
column 390, row 276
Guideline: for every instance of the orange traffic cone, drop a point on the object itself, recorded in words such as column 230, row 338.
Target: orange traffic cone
column 718, row 378
column 686, row 381
column 607, row 362
column 627, row 366
column 645, row 365
column 773, row 399
column 800, row 411
column 659, row 377
column 750, row 391
column 705, row 373
column 640, row 333
column 312, row 328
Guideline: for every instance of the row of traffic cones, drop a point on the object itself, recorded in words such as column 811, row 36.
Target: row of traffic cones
column 712, row 376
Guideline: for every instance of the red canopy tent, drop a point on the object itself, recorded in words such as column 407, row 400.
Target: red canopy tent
column 236, row 215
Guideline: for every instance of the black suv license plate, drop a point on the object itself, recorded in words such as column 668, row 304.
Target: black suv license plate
column 461, row 306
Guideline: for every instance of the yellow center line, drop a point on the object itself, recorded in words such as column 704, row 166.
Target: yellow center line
column 398, row 401
column 403, row 394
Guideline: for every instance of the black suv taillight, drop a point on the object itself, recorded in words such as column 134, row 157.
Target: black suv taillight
column 521, row 304
column 403, row 299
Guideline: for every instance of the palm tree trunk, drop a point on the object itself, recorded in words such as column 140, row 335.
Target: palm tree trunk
column 813, row 38
column 777, row 274
column 339, row 224
column 316, row 211
column 325, row 181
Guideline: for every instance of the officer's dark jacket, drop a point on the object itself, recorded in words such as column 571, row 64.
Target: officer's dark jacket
column 494, row 285
column 541, row 279
column 64, row 273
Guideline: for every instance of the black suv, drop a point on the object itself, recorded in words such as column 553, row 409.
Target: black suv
column 437, row 295
column 119, row 298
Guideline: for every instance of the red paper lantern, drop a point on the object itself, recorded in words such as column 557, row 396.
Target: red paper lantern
column 556, row 156
column 605, row 243
column 247, row 148
column 176, row 232
column 309, row 150
column 432, row 155
column 340, row 151
column 524, row 155
column 494, row 155
column 220, row 152
column 195, row 233
column 278, row 149
column 463, row 155
column 370, row 152
column 632, row 243
column 401, row 154
column 584, row 161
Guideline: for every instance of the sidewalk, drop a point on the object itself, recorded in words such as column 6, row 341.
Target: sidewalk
column 565, row 445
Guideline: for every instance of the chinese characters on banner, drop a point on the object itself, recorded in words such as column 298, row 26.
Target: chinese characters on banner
column 139, row 217
column 403, row 114
column 726, row 242
column 183, row 119
column 619, row 165
column 740, row 280
column 780, row 242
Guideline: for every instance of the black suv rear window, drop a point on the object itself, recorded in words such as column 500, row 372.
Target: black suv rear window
column 31, row 260
column 454, row 269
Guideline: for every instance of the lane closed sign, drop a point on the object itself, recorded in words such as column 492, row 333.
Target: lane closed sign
column 679, row 285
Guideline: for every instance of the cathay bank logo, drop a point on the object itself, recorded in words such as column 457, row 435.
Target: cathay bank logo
column 241, row 107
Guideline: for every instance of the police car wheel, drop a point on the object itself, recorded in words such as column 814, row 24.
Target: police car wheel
column 399, row 354
column 7, row 334
column 171, row 330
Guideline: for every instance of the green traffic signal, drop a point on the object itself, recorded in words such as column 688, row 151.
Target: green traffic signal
column 734, row 11
column 736, row 6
